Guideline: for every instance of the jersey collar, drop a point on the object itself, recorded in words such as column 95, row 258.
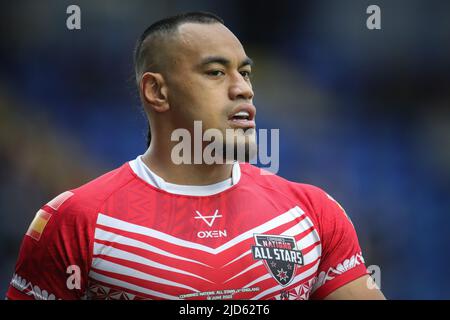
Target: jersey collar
column 144, row 172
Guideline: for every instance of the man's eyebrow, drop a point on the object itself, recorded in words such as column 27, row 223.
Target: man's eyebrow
column 224, row 61
column 246, row 62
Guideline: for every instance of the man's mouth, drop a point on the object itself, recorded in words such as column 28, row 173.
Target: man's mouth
column 243, row 116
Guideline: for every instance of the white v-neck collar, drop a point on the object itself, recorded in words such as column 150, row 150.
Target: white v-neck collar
column 144, row 172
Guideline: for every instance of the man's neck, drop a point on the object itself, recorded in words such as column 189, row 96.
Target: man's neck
column 158, row 159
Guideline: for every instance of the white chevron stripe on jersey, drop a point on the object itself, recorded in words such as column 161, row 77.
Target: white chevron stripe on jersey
column 302, row 226
column 124, row 255
column 297, row 279
column 117, row 238
column 308, row 258
column 126, row 285
column 307, row 240
column 256, row 264
column 313, row 255
column 286, row 217
column 262, row 278
column 236, row 259
column 105, row 265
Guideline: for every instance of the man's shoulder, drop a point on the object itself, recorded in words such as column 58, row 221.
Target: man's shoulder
column 273, row 181
column 90, row 196
column 313, row 199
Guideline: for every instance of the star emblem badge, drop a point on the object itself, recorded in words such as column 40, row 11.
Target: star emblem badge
column 282, row 275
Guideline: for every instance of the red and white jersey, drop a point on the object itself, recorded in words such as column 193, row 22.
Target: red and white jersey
column 130, row 235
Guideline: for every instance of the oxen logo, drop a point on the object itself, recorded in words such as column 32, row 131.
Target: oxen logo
column 280, row 256
column 205, row 218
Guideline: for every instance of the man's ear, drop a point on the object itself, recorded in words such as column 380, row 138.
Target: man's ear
column 154, row 91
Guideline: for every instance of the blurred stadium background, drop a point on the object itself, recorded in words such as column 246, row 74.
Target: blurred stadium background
column 363, row 114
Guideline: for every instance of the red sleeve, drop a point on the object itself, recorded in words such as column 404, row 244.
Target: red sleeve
column 54, row 257
column 342, row 260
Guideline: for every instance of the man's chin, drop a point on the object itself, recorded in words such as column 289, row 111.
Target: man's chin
column 242, row 152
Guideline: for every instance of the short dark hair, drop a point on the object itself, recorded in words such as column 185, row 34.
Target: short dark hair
column 144, row 53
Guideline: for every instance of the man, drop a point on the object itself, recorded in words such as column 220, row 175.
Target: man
column 154, row 229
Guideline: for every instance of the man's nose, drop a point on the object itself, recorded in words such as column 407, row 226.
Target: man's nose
column 240, row 89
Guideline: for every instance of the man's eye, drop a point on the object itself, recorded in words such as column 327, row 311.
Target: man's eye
column 215, row 73
column 246, row 74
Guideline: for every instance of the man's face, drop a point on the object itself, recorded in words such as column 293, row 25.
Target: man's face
column 208, row 79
